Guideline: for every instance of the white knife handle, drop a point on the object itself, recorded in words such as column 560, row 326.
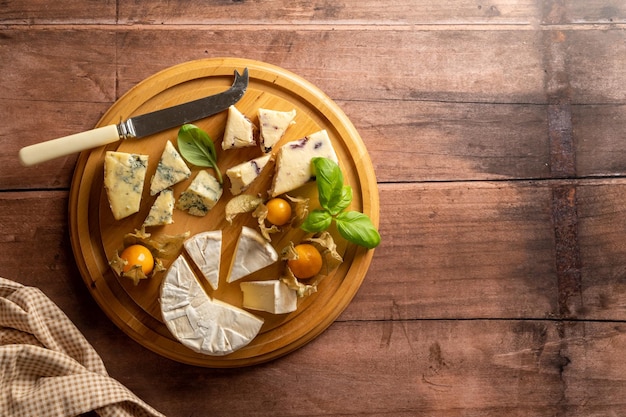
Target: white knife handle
column 45, row 151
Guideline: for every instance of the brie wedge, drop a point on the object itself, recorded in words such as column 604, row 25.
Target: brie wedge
column 171, row 170
column 162, row 210
column 242, row 175
column 272, row 296
column 205, row 250
column 124, row 176
column 201, row 195
column 252, row 254
column 239, row 132
column 293, row 161
column 272, row 126
column 203, row 324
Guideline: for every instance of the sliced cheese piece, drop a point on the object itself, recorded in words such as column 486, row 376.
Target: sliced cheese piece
column 293, row 161
column 272, row 126
column 205, row 250
column 242, row 175
column 252, row 254
column 201, row 195
column 124, row 176
column 239, row 132
column 171, row 170
column 162, row 210
column 272, row 296
column 203, row 324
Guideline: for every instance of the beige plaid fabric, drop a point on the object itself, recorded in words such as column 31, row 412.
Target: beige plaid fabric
column 47, row 367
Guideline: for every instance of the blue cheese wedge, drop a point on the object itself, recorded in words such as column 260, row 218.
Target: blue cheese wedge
column 171, row 170
column 203, row 324
column 124, row 176
column 201, row 195
column 293, row 161
column 253, row 253
column 239, row 132
column 272, row 126
column 162, row 210
column 205, row 250
column 242, row 175
column 272, row 296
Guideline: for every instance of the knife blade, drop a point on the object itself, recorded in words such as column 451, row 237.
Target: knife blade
column 137, row 126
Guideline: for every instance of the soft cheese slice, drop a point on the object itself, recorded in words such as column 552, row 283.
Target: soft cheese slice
column 273, row 124
column 239, row 132
column 293, row 162
column 124, row 176
column 242, row 175
column 272, row 296
column 162, row 210
column 253, row 253
column 201, row 195
column 171, row 170
column 203, row 324
column 205, row 249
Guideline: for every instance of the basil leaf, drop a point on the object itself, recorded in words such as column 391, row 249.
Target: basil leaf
column 198, row 148
column 317, row 221
column 357, row 228
column 344, row 202
column 329, row 183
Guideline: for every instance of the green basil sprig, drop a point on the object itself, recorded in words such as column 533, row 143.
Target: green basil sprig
column 335, row 197
column 197, row 147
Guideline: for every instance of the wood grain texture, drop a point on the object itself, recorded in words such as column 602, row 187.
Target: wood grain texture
column 496, row 133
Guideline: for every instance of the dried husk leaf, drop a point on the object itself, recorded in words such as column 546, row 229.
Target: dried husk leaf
column 243, row 203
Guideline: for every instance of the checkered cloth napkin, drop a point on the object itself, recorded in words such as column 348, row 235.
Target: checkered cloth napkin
column 47, row 367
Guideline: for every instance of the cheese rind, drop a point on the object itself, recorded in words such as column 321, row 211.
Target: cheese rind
column 242, row 175
column 203, row 324
column 239, row 131
column 205, row 250
column 293, row 161
column 272, row 126
column 201, row 195
column 171, row 170
column 162, row 210
column 253, row 253
column 124, row 176
column 272, row 296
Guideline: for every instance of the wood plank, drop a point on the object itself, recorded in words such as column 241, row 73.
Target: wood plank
column 437, row 66
column 597, row 70
column 586, row 12
column 283, row 12
column 601, row 214
column 428, row 141
column 599, row 132
column 461, row 250
column 399, row 368
column 33, row 12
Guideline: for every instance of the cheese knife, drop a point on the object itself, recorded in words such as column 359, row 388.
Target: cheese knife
column 137, row 126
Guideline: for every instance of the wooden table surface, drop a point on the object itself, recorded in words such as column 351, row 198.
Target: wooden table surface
column 497, row 132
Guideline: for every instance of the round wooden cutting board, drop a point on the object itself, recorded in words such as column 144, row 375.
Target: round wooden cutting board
column 96, row 236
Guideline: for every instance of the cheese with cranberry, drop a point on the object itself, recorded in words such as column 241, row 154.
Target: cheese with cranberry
column 242, row 175
column 272, row 126
column 239, row 132
column 293, row 161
